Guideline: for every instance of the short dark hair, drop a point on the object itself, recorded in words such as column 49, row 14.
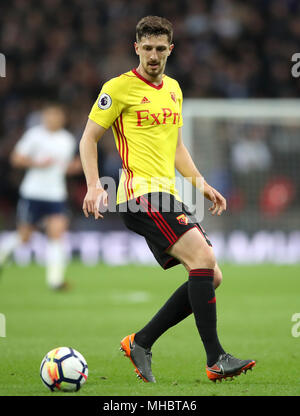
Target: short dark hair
column 154, row 26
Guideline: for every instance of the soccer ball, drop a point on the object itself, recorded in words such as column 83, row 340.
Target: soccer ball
column 63, row 369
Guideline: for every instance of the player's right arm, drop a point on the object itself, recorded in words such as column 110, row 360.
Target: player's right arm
column 104, row 112
column 89, row 159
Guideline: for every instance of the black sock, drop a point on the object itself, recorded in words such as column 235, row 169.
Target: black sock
column 203, row 302
column 174, row 310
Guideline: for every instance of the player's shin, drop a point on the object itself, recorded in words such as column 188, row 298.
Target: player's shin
column 172, row 312
column 203, row 302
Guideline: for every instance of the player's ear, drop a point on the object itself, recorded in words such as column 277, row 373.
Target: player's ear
column 136, row 48
column 171, row 47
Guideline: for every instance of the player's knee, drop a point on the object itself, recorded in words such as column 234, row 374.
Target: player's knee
column 25, row 238
column 56, row 227
column 55, row 233
column 25, row 235
column 202, row 259
column 218, row 277
column 209, row 262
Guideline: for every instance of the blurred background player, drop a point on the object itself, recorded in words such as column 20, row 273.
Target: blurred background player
column 46, row 152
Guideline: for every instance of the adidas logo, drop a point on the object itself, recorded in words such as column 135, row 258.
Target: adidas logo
column 145, row 100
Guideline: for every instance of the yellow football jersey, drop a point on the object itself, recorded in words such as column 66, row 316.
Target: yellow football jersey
column 145, row 119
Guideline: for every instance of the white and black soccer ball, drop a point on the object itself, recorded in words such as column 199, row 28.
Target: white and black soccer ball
column 64, row 369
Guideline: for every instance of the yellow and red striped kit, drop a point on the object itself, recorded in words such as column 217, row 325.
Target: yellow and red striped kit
column 145, row 119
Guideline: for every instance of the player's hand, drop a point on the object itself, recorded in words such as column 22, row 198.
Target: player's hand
column 219, row 202
column 43, row 163
column 91, row 203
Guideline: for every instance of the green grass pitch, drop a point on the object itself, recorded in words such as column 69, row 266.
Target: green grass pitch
column 255, row 307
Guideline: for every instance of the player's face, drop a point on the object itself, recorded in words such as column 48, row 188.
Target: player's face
column 153, row 52
column 53, row 118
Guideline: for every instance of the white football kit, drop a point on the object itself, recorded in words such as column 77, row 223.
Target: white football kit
column 43, row 192
column 46, row 183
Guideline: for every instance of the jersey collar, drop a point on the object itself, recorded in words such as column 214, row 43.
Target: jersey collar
column 157, row 87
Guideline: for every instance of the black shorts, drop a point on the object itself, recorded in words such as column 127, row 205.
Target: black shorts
column 161, row 219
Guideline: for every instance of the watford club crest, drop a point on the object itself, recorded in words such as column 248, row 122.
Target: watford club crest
column 182, row 219
column 173, row 96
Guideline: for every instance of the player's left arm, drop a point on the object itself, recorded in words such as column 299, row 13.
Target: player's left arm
column 186, row 166
column 74, row 167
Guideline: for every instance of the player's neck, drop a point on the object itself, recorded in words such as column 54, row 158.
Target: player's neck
column 157, row 80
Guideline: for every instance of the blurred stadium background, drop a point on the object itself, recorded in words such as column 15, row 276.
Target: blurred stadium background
column 232, row 59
